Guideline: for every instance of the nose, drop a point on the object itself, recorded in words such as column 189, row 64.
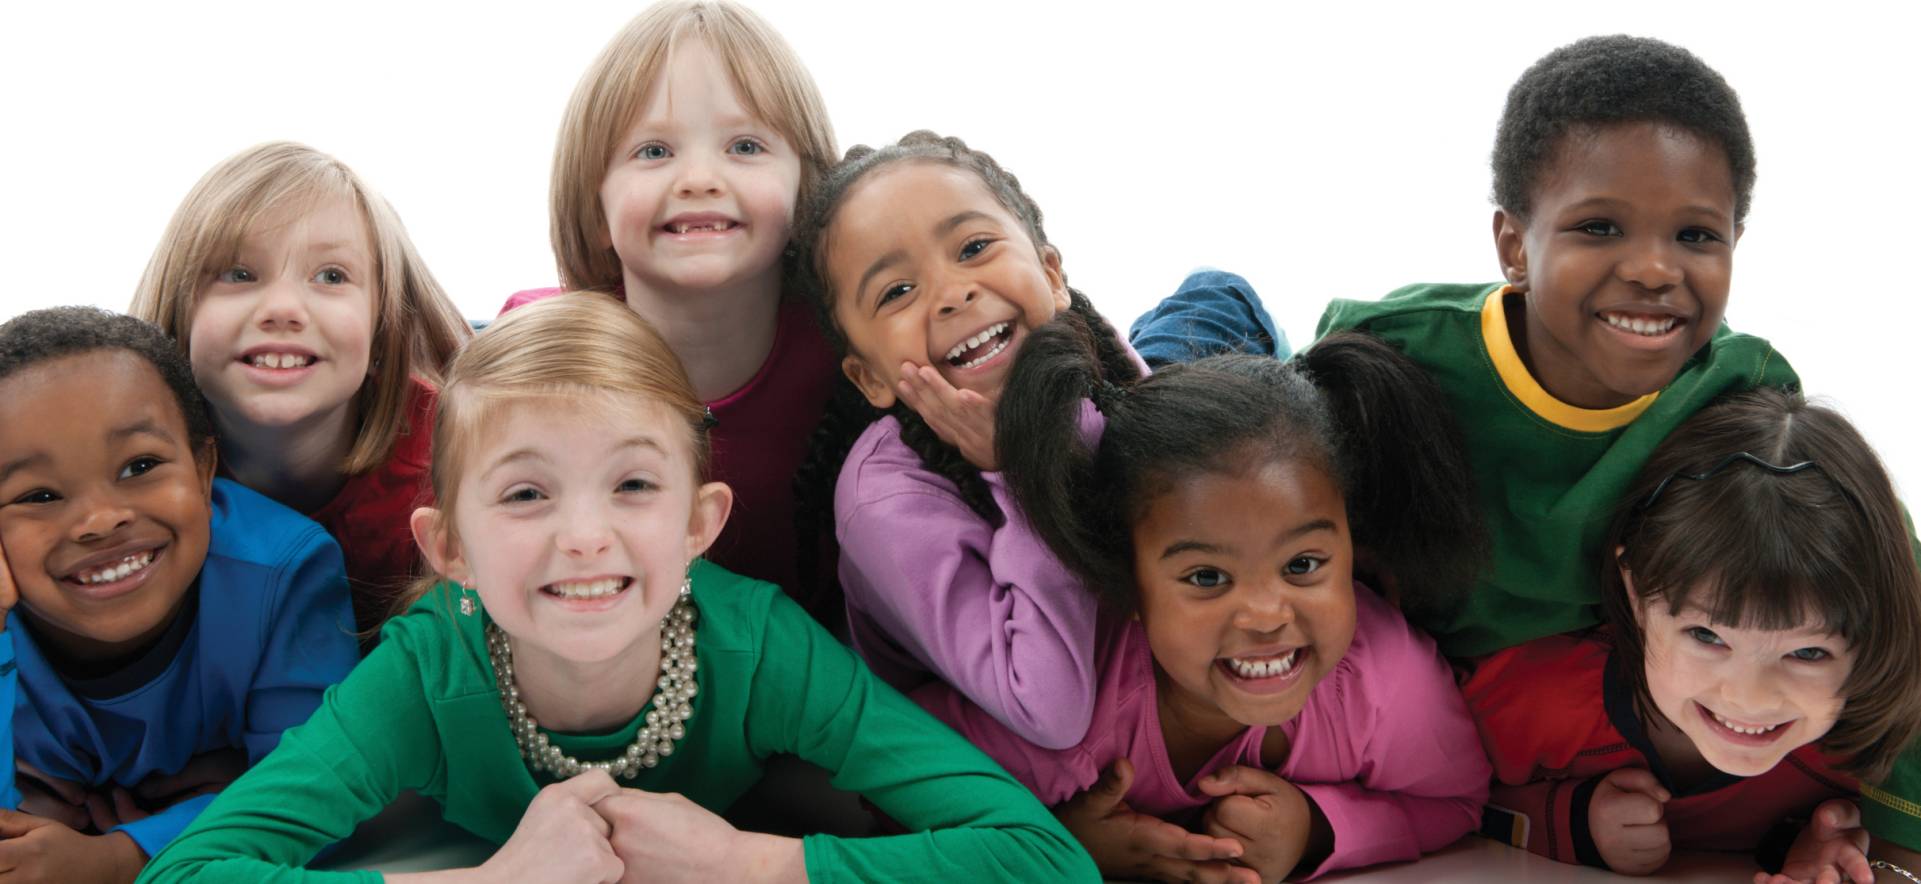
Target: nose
column 956, row 292
column 699, row 176
column 585, row 531
column 1749, row 689
column 1264, row 607
column 283, row 304
column 1650, row 264
column 103, row 514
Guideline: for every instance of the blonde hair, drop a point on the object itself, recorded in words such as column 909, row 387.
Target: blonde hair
column 771, row 82
column 416, row 328
column 575, row 346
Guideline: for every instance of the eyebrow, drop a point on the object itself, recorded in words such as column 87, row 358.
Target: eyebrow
column 142, row 427
column 945, row 227
column 1613, row 202
column 1183, row 546
column 14, row 466
column 522, row 455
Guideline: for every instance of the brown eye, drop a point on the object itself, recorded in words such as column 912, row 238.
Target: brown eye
column 1206, row 578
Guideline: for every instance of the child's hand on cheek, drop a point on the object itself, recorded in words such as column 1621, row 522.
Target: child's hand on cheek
column 9, row 593
column 560, row 837
column 1831, row 849
column 667, row 838
column 39, row 849
column 1128, row 844
column 961, row 418
column 1278, row 825
column 1626, row 816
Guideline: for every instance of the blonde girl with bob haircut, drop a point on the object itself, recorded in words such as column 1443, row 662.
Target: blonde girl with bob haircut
column 318, row 335
column 580, row 687
column 680, row 160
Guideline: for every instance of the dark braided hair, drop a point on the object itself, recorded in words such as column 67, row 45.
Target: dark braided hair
column 1619, row 79
column 848, row 412
column 1351, row 407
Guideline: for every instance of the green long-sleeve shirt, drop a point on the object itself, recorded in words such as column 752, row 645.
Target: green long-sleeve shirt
column 423, row 712
column 1549, row 474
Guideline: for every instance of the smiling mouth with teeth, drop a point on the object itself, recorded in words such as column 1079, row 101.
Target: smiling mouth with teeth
column 985, row 345
column 1264, row 667
column 1644, row 325
column 1742, row 729
column 280, row 360
column 115, row 572
column 718, row 226
column 588, row 589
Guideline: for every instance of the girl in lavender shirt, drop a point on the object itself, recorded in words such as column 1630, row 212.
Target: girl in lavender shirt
column 1260, row 714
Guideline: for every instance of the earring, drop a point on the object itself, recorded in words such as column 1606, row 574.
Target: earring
column 687, row 582
column 466, row 600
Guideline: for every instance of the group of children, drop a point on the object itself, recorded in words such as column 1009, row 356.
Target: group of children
column 1179, row 605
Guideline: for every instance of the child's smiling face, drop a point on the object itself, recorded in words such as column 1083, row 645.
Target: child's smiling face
column 104, row 503
column 1625, row 260
column 1246, row 591
column 928, row 268
column 284, row 335
column 1744, row 697
column 699, row 193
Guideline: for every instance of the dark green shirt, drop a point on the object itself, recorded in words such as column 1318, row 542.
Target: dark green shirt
column 422, row 712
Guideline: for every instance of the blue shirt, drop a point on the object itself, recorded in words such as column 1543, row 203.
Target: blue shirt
column 263, row 632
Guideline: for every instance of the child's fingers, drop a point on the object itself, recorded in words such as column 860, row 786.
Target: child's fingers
column 67, row 790
column 588, row 787
column 1238, row 779
column 9, row 594
column 13, row 823
column 1636, row 779
column 125, row 808
column 1167, row 868
column 1834, row 816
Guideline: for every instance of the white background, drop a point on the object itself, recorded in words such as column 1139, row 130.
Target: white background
column 1319, row 151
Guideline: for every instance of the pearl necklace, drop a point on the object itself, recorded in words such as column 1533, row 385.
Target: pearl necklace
column 673, row 703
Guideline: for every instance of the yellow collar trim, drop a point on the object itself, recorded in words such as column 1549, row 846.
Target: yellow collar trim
column 1515, row 376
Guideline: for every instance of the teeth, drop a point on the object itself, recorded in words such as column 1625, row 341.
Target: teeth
column 684, row 227
column 1750, row 731
column 975, row 341
column 280, row 360
column 592, row 589
column 117, row 571
column 1265, row 668
column 1640, row 326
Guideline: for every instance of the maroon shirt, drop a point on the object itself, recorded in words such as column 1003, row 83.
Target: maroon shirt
column 759, row 441
column 370, row 515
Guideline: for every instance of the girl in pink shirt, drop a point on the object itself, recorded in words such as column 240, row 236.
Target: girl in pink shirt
column 1251, row 690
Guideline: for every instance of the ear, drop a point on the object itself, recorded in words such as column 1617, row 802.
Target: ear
column 1738, row 230
column 435, row 537
column 712, row 502
column 206, row 462
column 1510, row 246
column 1056, row 277
column 878, row 391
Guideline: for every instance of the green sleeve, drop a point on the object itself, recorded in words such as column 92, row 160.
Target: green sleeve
column 968, row 819
column 372, row 737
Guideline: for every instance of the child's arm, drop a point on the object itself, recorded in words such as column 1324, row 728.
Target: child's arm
column 372, row 737
column 971, row 821
column 1613, row 822
column 308, row 646
column 989, row 610
column 1423, row 775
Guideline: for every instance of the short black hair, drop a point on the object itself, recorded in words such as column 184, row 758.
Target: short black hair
column 1617, row 79
column 32, row 338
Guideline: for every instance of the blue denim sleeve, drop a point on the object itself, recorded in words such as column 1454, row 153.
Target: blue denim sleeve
column 1213, row 312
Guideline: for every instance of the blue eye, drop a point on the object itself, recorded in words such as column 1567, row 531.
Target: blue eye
column 1206, row 578
column 522, row 494
column 331, row 276
column 637, row 485
column 1598, row 227
column 1304, row 565
column 652, row 151
column 1810, row 655
column 747, row 147
column 139, row 466
column 974, row 247
column 235, row 275
column 1705, row 636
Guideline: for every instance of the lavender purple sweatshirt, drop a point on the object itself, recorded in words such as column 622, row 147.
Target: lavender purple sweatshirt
column 934, row 592
column 1384, row 745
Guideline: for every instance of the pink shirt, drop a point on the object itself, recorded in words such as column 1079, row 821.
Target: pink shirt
column 1384, row 745
column 758, row 443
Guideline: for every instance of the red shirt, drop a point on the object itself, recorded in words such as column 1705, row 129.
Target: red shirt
column 1556, row 715
column 370, row 515
column 759, row 440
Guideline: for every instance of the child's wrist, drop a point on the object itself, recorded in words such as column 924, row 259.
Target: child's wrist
column 122, row 857
column 760, row 857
